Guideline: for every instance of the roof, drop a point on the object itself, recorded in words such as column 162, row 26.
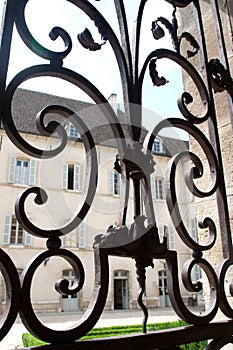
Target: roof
column 26, row 104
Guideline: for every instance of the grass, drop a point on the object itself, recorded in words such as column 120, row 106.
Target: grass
column 103, row 332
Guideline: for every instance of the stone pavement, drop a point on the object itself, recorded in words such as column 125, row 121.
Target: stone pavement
column 109, row 318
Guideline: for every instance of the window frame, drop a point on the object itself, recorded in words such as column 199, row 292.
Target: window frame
column 31, row 171
column 79, row 236
column 76, row 177
column 73, row 131
column 158, row 147
column 157, row 188
column 7, row 232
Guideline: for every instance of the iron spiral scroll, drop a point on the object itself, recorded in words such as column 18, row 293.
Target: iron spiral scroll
column 134, row 161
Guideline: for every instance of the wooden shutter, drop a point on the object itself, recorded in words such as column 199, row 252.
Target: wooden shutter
column 193, row 229
column 11, row 169
column 64, row 175
column 171, row 238
column 27, row 237
column 119, row 183
column 152, row 181
column 77, row 178
column 111, row 182
column 32, row 171
column 161, row 231
column 82, row 235
column 6, row 229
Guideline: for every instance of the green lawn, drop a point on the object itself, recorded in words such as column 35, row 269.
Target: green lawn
column 29, row 340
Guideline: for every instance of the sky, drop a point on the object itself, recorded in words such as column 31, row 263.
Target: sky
column 99, row 67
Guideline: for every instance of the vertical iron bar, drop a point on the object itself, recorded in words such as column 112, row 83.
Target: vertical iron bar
column 9, row 12
column 120, row 10
column 136, row 38
column 122, row 20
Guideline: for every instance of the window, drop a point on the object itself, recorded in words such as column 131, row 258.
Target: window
column 157, row 186
column 73, row 132
column 13, row 232
column 22, row 171
column 159, row 189
column 114, row 182
column 158, row 146
column 71, row 177
column 76, row 238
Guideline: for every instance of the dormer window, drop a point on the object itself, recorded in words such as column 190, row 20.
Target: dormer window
column 73, row 132
column 158, row 146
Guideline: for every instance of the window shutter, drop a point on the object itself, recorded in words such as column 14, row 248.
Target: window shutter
column 32, row 171
column 63, row 238
column 27, row 237
column 193, row 229
column 64, row 175
column 77, row 177
column 82, row 235
column 111, row 182
column 161, row 232
column 152, row 181
column 119, row 183
column 11, row 169
column 171, row 238
column 6, row 230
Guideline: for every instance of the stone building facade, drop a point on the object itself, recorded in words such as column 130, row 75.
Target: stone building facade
column 63, row 178
column 224, row 112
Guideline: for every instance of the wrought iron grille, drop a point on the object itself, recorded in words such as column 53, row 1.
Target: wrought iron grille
column 135, row 163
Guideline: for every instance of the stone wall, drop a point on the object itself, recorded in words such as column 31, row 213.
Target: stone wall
column 207, row 206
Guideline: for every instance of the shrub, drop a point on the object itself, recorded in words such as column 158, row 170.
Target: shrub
column 30, row 340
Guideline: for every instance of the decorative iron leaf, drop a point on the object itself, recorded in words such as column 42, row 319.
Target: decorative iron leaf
column 220, row 77
column 156, row 80
column 188, row 37
column 157, row 31
column 167, row 24
column 179, row 3
column 86, row 40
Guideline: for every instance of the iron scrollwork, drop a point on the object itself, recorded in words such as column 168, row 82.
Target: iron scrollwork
column 134, row 161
